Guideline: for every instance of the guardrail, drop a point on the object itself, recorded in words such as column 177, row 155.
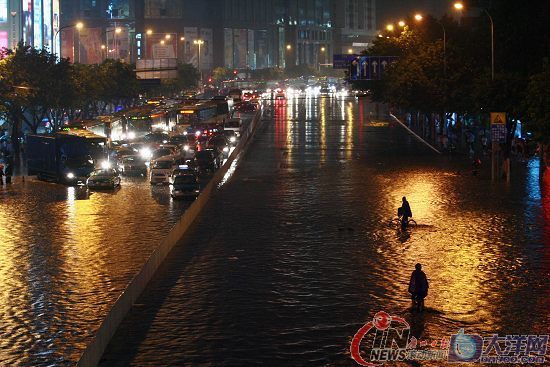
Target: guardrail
column 95, row 349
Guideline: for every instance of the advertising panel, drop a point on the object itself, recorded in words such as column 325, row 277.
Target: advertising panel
column 90, row 46
column 240, row 38
column 159, row 47
column 207, row 59
column 228, row 47
column 47, row 33
column 3, row 39
column 55, row 25
column 67, row 40
column 3, row 11
column 251, row 55
column 37, row 24
column 27, row 21
column 191, row 50
column 118, row 43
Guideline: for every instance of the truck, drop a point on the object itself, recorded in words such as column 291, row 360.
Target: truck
column 66, row 157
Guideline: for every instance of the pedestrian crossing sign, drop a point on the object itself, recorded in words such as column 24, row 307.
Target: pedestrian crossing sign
column 498, row 118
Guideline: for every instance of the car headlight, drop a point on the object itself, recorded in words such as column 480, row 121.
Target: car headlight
column 105, row 164
column 226, row 149
column 186, row 147
column 232, row 139
column 70, row 175
column 146, row 153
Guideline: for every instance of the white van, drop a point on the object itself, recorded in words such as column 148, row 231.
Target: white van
column 234, row 124
column 161, row 169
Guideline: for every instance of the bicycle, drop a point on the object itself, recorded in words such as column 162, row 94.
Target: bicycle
column 396, row 222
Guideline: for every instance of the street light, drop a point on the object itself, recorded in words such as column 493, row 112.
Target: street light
column 289, row 47
column 390, row 27
column 350, row 51
column 199, row 42
column 401, row 23
column 168, row 36
column 78, row 25
column 419, row 18
column 460, row 6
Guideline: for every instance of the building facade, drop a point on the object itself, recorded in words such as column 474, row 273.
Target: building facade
column 237, row 34
column 35, row 22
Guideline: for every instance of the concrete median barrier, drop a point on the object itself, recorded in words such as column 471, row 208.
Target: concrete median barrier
column 95, row 349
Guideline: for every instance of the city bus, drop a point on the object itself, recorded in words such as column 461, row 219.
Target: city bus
column 140, row 121
column 201, row 114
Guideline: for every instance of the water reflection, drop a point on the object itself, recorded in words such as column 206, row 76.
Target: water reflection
column 65, row 255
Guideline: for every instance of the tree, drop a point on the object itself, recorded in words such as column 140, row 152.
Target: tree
column 220, row 74
column 32, row 83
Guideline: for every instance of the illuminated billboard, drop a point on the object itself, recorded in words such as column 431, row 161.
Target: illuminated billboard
column 55, row 26
column 37, row 24
column 3, row 11
column 27, row 21
column 47, row 25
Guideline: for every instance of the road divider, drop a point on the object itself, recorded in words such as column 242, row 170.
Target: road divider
column 415, row 134
column 95, row 349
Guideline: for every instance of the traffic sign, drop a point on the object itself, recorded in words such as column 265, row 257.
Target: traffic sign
column 498, row 133
column 370, row 67
column 342, row 61
column 498, row 118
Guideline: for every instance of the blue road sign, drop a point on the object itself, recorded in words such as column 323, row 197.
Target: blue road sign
column 370, row 67
column 342, row 61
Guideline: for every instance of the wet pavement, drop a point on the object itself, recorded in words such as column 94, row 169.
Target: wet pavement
column 294, row 254
column 66, row 254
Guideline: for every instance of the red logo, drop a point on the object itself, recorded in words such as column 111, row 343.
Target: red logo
column 381, row 321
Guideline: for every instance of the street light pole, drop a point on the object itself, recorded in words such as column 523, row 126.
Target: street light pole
column 78, row 26
column 492, row 44
column 199, row 42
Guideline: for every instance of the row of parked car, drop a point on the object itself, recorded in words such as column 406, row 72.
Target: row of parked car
column 176, row 160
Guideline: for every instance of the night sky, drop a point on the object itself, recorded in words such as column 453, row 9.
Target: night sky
column 389, row 10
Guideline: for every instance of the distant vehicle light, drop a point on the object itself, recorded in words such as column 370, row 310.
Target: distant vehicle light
column 232, row 139
column 198, row 133
column 183, row 166
column 131, row 135
column 105, row 164
column 70, row 175
column 185, row 133
column 186, row 148
column 226, row 149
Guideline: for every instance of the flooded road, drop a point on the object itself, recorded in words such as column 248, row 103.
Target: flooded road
column 66, row 254
column 294, row 254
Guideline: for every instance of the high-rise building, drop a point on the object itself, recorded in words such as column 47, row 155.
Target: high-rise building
column 233, row 33
column 358, row 27
column 35, row 22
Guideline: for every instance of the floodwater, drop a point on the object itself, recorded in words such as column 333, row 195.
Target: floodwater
column 294, row 254
column 66, row 254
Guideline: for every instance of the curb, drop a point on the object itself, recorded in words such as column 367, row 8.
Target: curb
column 415, row 134
column 91, row 356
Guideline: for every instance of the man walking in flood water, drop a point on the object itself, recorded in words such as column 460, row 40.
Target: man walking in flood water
column 418, row 287
column 405, row 213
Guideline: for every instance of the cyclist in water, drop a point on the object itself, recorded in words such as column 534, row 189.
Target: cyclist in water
column 418, row 287
column 404, row 213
